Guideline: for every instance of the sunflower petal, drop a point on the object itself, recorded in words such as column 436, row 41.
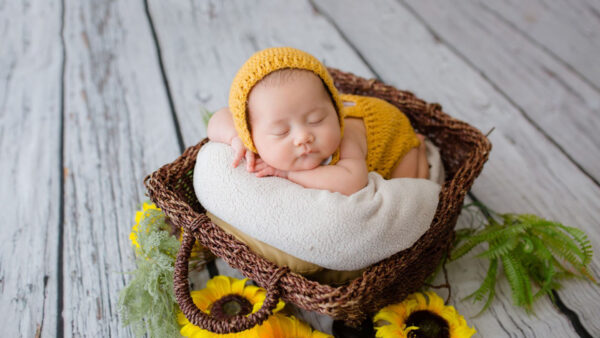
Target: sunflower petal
column 237, row 286
column 389, row 331
column 390, row 316
column 221, row 285
column 436, row 303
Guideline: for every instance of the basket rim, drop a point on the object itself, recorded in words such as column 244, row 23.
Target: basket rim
column 453, row 190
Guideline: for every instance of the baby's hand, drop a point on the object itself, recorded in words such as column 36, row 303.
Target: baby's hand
column 263, row 169
column 240, row 152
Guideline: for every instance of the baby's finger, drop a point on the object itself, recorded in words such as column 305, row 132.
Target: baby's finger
column 238, row 158
column 259, row 167
column 250, row 160
column 259, row 163
column 264, row 172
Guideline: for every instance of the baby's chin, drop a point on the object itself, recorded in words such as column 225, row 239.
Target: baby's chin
column 306, row 163
column 299, row 164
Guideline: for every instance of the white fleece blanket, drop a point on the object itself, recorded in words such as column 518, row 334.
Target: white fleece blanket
column 328, row 229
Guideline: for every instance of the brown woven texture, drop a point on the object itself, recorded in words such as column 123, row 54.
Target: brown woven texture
column 464, row 150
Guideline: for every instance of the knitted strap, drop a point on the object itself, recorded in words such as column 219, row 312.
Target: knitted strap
column 201, row 319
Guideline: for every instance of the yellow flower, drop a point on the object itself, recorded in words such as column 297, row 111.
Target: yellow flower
column 225, row 297
column 139, row 216
column 421, row 315
column 151, row 214
column 279, row 326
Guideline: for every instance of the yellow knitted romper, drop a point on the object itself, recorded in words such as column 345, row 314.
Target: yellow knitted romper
column 389, row 133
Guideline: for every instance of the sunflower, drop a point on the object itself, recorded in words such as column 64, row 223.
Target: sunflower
column 279, row 326
column 421, row 315
column 225, row 297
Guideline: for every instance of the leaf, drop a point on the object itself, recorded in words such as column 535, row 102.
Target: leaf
column 532, row 250
column 487, row 287
column 465, row 248
column 552, row 231
column 206, row 115
column 147, row 303
column 562, row 247
column 462, row 234
column 583, row 241
column 499, row 248
column 518, row 281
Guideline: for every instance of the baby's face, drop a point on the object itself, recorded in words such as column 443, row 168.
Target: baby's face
column 294, row 123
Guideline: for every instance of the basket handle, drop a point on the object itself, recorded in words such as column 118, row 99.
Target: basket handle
column 201, row 319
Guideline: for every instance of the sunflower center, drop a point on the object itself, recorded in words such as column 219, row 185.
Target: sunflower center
column 430, row 325
column 230, row 306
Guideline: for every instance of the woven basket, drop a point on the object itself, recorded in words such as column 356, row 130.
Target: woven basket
column 464, row 150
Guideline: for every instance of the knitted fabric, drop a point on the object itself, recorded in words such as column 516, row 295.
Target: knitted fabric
column 389, row 132
column 262, row 64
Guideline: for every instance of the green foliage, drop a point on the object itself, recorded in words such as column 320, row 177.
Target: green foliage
column 535, row 254
column 148, row 303
column 206, row 115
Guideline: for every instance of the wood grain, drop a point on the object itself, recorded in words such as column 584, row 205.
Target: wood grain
column 567, row 30
column 525, row 173
column 547, row 92
column 30, row 170
column 118, row 128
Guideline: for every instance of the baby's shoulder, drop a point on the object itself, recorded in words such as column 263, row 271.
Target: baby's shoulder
column 354, row 142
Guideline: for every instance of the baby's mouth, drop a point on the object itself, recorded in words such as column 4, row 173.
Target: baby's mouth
column 307, row 152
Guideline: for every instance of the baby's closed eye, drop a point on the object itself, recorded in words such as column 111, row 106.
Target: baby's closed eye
column 317, row 120
column 280, row 132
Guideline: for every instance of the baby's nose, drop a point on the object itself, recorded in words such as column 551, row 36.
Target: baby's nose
column 303, row 138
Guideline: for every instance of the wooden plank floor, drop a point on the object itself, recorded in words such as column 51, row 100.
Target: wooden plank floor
column 94, row 95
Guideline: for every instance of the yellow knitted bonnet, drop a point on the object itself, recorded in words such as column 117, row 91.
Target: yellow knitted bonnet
column 263, row 63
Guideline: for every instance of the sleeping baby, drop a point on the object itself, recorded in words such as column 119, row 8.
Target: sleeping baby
column 286, row 118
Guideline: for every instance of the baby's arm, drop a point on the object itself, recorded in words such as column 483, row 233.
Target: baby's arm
column 220, row 126
column 220, row 129
column 347, row 176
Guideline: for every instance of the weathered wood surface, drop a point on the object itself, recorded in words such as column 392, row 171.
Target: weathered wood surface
column 541, row 87
column 117, row 129
column 30, row 168
column 527, row 70
column 567, row 30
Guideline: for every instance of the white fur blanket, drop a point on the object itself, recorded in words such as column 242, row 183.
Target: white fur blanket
column 328, row 229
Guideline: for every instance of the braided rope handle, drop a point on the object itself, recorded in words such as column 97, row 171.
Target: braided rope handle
column 199, row 317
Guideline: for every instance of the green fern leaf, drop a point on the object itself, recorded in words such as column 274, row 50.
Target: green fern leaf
column 518, row 281
column 552, row 230
column 465, row 248
column 488, row 284
column 534, row 252
column 487, row 287
column 562, row 248
column 499, row 248
column 584, row 243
